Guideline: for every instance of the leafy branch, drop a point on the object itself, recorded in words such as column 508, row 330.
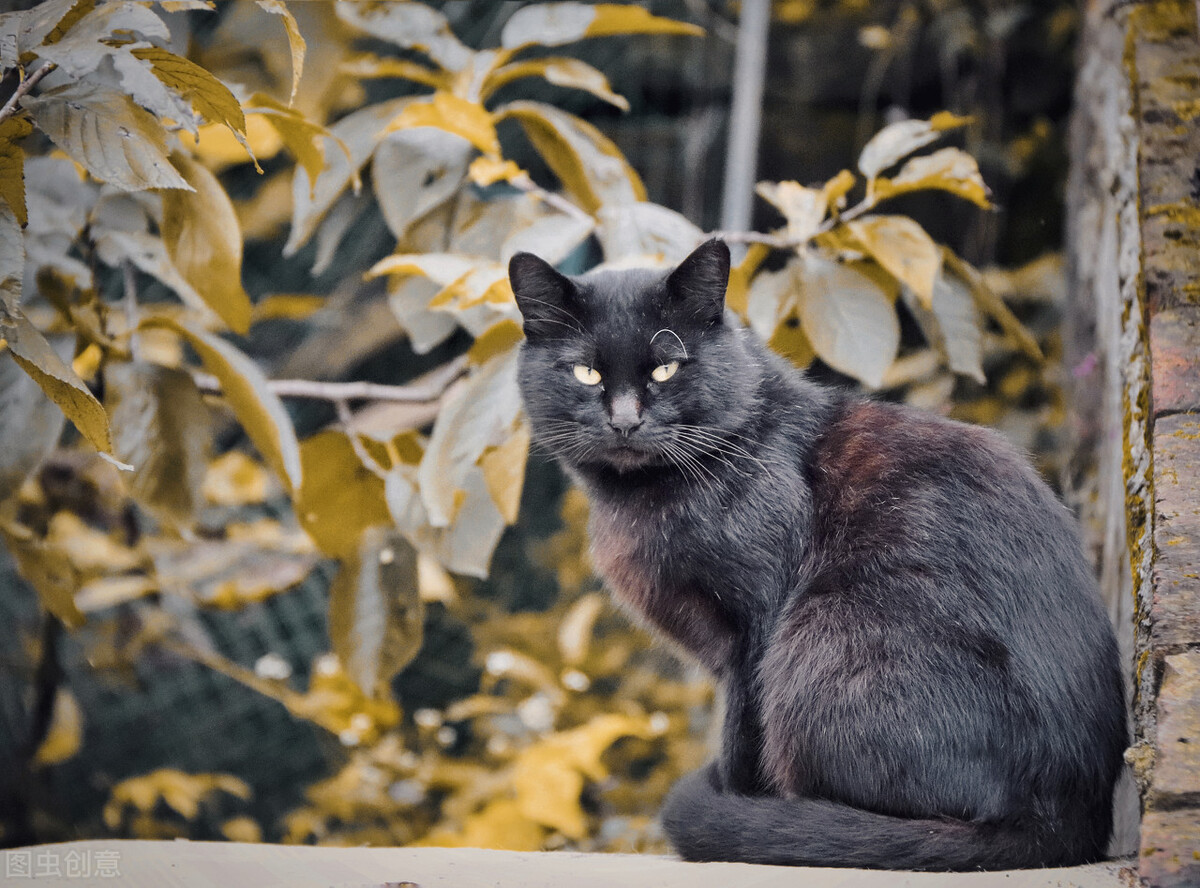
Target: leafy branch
column 27, row 83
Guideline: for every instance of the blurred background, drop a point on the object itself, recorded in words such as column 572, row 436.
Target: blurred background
column 199, row 697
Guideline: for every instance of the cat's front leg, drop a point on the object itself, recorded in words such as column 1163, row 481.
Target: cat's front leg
column 739, row 767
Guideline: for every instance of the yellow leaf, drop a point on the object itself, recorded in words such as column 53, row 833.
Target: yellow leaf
column 89, row 551
column 498, row 338
column 575, row 630
column 446, row 111
column 591, row 168
column 849, row 320
column 340, row 497
column 295, row 39
column 486, row 170
column 12, row 165
column 949, row 169
column 903, row 248
column 504, row 470
column 303, row 138
column 567, row 72
column 738, row 291
column 549, row 776
column 837, row 188
column 553, row 24
column 993, row 306
column 500, row 825
column 945, row 120
column 287, row 306
column 48, row 571
column 204, row 240
column 210, row 98
column 66, row 730
column 243, row 385
column 898, row 140
column 803, row 208
column 370, row 66
column 241, row 829
column 219, row 146
column 234, row 479
column 376, row 615
column 60, row 383
column 790, row 340
column 160, row 427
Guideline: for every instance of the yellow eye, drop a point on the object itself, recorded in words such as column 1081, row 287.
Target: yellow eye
column 663, row 372
column 587, row 375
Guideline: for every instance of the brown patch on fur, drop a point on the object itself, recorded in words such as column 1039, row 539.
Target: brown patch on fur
column 689, row 617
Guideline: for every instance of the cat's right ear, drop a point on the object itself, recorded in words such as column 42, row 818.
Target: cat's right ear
column 544, row 296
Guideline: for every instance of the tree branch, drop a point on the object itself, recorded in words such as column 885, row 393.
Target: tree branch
column 560, row 203
column 426, row 388
column 10, row 107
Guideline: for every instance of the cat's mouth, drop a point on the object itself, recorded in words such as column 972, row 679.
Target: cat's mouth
column 625, row 456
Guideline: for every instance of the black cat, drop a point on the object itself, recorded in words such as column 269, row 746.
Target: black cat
column 917, row 671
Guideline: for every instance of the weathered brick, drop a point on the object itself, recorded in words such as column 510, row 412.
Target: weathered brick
column 1175, row 345
column 1176, row 775
column 1175, row 607
column 1171, row 849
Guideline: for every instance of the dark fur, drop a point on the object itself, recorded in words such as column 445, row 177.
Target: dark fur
column 917, row 670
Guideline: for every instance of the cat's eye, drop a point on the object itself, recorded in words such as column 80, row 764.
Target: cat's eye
column 587, row 375
column 663, row 372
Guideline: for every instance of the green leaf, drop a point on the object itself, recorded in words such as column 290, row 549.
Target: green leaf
column 295, row 39
column 503, row 468
column 591, row 168
column 60, row 383
column 12, row 165
column 245, row 387
column 31, row 428
column 415, row 171
column 568, row 72
column 904, row 250
column 481, row 416
column 359, row 133
column 898, row 140
column 149, row 254
column 949, row 169
column 553, row 24
column 114, row 140
column 647, row 231
column 161, row 427
column 847, row 317
column 210, row 98
column 456, row 115
column 497, row 228
column 204, row 240
column 409, row 26
column 340, row 497
column 376, row 616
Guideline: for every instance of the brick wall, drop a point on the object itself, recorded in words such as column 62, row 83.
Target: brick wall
column 1134, row 245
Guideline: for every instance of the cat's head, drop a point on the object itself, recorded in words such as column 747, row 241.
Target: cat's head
column 632, row 369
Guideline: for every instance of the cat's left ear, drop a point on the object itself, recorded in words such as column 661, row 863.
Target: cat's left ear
column 698, row 285
column 544, row 296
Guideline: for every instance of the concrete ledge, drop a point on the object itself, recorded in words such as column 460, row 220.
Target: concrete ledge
column 143, row 864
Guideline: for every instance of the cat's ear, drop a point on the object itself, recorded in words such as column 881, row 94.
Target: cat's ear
column 544, row 296
column 698, row 285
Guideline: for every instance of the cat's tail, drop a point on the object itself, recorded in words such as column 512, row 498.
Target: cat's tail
column 706, row 824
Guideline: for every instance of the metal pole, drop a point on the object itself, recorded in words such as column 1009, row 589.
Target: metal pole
column 745, row 115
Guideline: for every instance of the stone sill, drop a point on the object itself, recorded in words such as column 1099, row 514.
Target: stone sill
column 183, row 864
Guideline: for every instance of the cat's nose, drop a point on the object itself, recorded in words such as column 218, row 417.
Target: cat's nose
column 625, row 413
